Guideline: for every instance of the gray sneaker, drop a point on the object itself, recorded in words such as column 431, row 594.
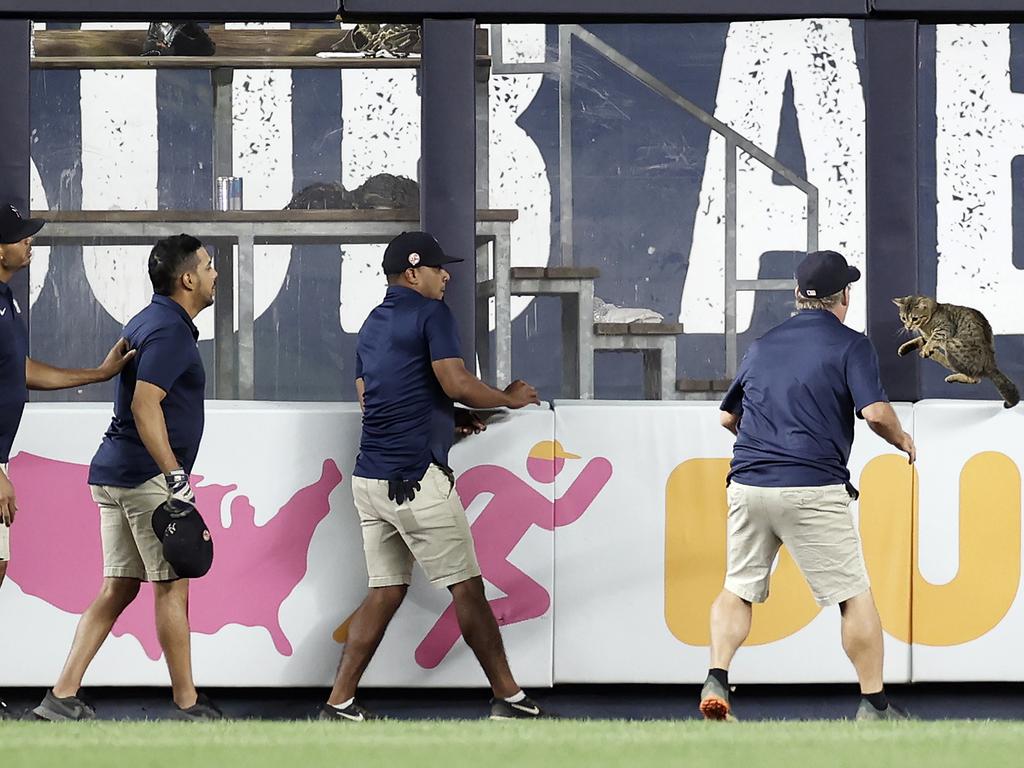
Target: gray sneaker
column 203, row 709
column 56, row 709
column 867, row 713
column 714, row 701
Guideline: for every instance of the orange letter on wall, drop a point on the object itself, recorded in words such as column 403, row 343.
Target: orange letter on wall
column 988, row 575
column 696, row 512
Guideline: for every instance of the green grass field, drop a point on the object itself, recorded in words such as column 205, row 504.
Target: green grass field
column 568, row 743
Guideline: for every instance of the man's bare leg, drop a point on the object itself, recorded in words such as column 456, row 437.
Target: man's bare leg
column 730, row 626
column 480, row 631
column 862, row 640
column 365, row 632
column 172, row 629
column 115, row 595
column 3, row 571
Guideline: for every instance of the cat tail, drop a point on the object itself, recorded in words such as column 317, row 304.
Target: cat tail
column 1006, row 388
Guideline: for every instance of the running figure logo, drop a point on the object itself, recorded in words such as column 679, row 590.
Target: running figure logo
column 515, row 507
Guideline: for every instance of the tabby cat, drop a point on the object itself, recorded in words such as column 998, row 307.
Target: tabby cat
column 958, row 338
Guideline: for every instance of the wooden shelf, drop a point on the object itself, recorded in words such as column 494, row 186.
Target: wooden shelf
column 377, row 214
column 225, row 62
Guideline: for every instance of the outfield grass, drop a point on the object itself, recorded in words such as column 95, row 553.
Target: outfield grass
column 567, row 743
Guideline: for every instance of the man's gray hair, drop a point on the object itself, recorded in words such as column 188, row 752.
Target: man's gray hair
column 825, row 302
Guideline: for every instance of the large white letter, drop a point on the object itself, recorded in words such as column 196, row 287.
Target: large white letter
column 978, row 132
column 829, row 102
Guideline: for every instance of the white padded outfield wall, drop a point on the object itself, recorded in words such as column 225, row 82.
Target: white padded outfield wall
column 600, row 528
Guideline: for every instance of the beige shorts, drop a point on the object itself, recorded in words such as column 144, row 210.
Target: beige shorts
column 817, row 528
column 431, row 529
column 5, row 534
column 130, row 547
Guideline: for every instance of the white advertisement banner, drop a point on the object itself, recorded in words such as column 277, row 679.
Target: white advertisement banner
column 600, row 531
column 273, row 483
column 638, row 572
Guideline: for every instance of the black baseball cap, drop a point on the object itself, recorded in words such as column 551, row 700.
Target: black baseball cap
column 14, row 227
column 414, row 249
column 188, row 545
column 823, row 273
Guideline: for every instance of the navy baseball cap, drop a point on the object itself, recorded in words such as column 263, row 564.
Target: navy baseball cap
column 14, row 227
column 414, row 249
column 823, row 273
column 187, row 543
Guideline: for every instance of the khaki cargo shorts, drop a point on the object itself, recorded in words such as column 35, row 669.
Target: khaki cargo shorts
column 5, row 534
column 431, row 529
column 131, row 549
column 817, row 528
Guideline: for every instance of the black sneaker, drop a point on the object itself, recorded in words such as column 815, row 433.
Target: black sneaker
column 867, row 713
column 527, row 709
column 353, row 712
column 57, row 710
column 203, row 709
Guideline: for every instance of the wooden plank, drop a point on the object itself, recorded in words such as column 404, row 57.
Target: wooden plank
column 715, row 386
column 377, row 214
column 224, row 62
column 638, row 329
column 243, row 43
column 572, row 273
column 527, row 273
column 655, row 329
column 233, row 42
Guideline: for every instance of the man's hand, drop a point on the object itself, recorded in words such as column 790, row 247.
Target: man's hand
column 468, row 423
column 8, row 505
column 521, row 394
column 906, row 445
column 117, row 358
column 179, row 487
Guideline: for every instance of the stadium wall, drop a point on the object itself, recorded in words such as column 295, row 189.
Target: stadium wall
column 601, row 552
column 911, row 141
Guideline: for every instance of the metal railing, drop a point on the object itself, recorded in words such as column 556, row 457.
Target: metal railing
column 733, row 142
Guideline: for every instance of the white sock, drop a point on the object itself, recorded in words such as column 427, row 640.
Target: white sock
column 515, row 698
column 345, row 704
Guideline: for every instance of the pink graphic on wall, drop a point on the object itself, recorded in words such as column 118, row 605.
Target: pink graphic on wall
column 57, row 555
column 515, row 507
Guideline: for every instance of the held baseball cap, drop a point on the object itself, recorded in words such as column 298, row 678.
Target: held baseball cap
column 14, row 227
column 414, row 249
column 823, row 273
column 188, row 546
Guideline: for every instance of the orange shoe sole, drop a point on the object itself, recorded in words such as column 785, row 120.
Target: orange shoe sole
column 714, row 708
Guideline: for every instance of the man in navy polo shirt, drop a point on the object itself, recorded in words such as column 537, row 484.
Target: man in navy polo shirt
column 145, row 458
column 792, row 409
column 409, row 370
column 20, row 373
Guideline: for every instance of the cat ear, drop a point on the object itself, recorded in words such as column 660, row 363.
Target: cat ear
column 900, row 301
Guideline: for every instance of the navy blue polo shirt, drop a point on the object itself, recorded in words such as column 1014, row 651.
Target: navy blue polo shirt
column 168, row 356
column 796, row 393
column 408, row 420
column 13, row 351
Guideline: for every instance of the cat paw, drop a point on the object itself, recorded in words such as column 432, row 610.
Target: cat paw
column 925, row 353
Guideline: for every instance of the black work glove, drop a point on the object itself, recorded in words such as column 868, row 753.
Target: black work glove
column 401, row 491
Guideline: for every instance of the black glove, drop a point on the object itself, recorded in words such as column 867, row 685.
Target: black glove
column 179, row 487
column 401, row 491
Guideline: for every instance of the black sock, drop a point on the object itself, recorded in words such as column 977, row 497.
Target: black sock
column 721, row 675
column 877, row 700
